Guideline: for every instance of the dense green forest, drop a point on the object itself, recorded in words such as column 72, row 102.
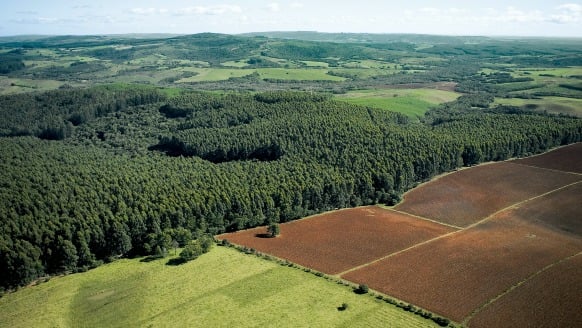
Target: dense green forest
column 91, row 173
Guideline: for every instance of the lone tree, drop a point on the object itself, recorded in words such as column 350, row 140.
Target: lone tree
column 273, row 229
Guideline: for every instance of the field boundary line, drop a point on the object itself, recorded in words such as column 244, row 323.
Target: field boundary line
column 545, row 168
column 397, row 252
column 420, row 217
column 520, row 203
column 487, row 218
column 515, row 286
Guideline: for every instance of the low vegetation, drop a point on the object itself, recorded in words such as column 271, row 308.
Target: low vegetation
column 221, row 288
column 411, row 102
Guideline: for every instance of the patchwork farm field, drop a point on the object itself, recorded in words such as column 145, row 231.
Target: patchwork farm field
column 568, row 159
column 299, row 74
column 564, row 105
column 552, row 298
column 337, row 241
column 456, row 274
column 470, row 195
column 521, row 223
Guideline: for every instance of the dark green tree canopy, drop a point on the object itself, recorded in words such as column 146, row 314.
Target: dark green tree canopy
column 128, row 179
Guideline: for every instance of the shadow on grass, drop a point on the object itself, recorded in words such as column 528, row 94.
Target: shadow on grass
column 176, row 261
column 263, row 235
column 151, row 258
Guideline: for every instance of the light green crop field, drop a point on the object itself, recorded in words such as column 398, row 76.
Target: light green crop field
column 18, row 85
column 310, row 63
column 301, row 74
column 366, row 73
column 563, row 105
column 411, row 102
column 557, row 72
column 223, row 288
column 239, row 63
column 367, row 63
column 215, row 74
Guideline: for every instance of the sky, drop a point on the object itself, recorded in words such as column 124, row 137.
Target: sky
column 445, row 17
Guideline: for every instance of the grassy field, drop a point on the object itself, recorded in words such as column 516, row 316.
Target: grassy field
column 543, row 80
column 367, row 64
column 557, row 72
column 310, row 74
column 570, row 106
column 19, row 85
column 214, row 74
column 223, row 288
column 238, row 63
column 365, row 73
column 218, row 74
column 310, row 63
column 411, row 102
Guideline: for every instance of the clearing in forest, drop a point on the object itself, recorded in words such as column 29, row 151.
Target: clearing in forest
column 411, row 102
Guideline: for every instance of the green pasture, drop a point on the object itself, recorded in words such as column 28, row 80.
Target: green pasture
column 300, row 74
column 365, row 73
column 223, row 288
column 557, row 72
column 418, row 60
column 411, row 102
column 238, row 63
column 556, row 105
column 215, row 74
column 310, row 63
column 368, row 63
column 19, row 85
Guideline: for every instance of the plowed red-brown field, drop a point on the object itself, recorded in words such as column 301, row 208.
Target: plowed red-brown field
column 454, row 275
column 567, row 159
column 551, row 299
column 467, row 196
column 560, row 210
column 510, row 266
column 337, row 241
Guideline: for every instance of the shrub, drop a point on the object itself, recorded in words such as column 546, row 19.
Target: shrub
column 443, row 322
column 192, row 251
column 225, row 243
column 343, row 307
column 362, row 289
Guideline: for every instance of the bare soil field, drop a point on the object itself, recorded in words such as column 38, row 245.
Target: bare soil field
column 550, row 299
column 337, row 241
column 469, row 195
column 560, row 210
column 516, row 262
column 454, row 275
column 567, row 159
